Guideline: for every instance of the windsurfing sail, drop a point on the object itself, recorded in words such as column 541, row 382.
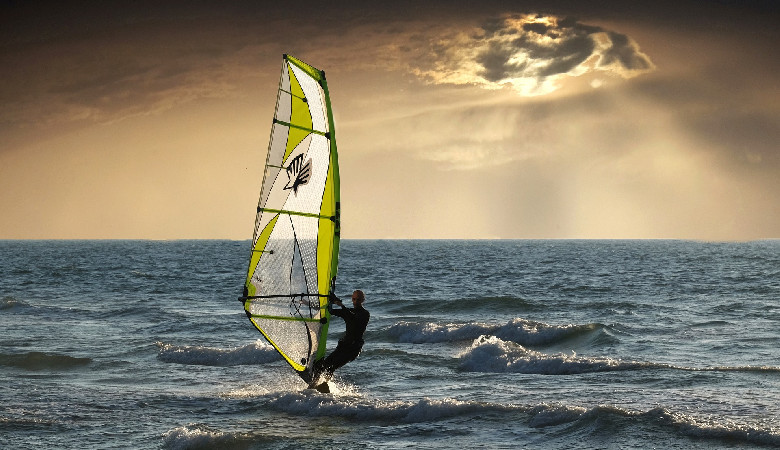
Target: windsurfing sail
column 295, row 248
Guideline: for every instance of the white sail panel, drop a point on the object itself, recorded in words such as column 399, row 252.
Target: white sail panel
column 316, row 98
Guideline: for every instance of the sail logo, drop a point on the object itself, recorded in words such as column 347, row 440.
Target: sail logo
column 298, row 173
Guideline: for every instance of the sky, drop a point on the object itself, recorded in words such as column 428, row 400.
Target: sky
column 460, row 120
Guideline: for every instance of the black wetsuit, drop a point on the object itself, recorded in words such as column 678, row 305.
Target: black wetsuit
column 356, row 320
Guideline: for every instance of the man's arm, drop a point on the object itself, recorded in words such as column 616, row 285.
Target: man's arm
column 333, row 300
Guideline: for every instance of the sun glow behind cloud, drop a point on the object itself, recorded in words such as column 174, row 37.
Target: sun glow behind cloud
column 532, row 54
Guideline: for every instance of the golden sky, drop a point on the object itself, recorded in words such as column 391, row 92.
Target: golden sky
column 507, row 119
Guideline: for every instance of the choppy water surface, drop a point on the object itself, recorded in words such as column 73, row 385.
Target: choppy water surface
column 497, row 344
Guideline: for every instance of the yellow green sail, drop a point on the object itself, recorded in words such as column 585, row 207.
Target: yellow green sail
column 295, row 246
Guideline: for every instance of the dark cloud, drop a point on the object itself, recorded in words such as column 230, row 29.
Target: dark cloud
column 538, row 28
column 98, row 62
column 532, row 52
column 495, row 61
column 624, row 52
column 110, row 57
column 565, row 56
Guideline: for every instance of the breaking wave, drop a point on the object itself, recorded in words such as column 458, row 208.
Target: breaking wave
column 198, row 436
column 492, row 354
column 521, row 331
column 552, row 415
column 353, row 408
column 709, row 429
column 257, row 353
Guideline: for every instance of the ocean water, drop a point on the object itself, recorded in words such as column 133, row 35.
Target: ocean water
column 472, row 344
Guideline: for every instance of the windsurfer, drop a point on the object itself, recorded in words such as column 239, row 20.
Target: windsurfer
column 356, row 320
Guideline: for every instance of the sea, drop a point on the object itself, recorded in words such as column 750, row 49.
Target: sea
column 499, row 344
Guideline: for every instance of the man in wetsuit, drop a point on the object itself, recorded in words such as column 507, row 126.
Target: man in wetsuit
column 356, row 320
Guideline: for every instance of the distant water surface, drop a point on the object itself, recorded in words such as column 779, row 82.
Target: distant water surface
column 473, row 344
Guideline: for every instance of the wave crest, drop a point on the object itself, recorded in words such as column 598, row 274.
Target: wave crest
column 692, row 426
column 492, row 354
column 9, row 303
column 429, row 333
column 528, row 332
column 196, row 436
column 521, row 331
column 545, row 415
column 251, row 354
column 423, row 410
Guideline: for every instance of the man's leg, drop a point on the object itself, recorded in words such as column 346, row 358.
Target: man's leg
column 340, row 356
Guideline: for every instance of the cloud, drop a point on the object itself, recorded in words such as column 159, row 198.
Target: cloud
column 531, row 53
column 75, row 81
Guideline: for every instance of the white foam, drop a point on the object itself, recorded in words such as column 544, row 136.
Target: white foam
column 492, row 354
column 256, row 353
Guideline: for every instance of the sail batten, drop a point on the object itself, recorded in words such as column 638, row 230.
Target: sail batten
column 301, row 128
column 294, row 257
column 292, row 319
column 297, row 213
